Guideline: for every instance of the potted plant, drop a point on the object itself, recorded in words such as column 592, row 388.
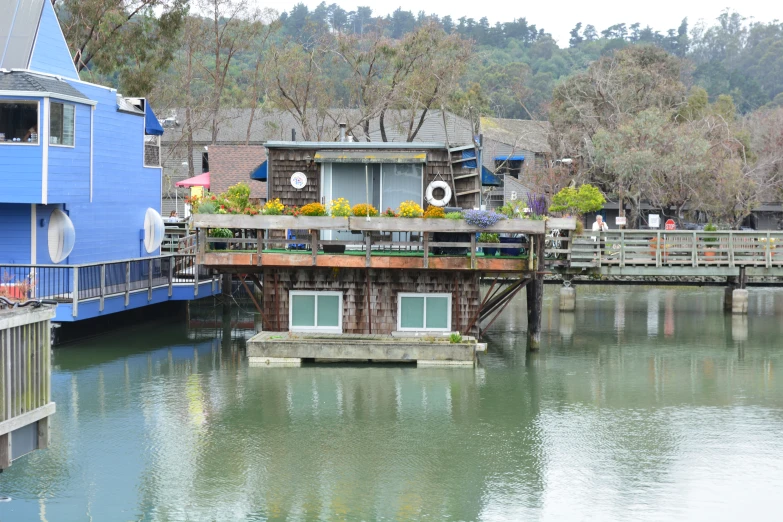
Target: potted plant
column 709, row 241
column 489, row 237
column 578, row 202
column 220, row 233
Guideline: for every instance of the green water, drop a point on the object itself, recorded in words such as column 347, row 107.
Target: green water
column 645, row 404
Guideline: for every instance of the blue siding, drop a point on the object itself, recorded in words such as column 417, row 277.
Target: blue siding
column 14, row 234
column 109, row 227
column 20, row 169
column 50, row 54
column 69, row 167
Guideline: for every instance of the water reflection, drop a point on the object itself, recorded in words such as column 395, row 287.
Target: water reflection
column 609, row 418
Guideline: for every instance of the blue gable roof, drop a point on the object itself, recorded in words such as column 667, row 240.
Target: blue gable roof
column 50, row 52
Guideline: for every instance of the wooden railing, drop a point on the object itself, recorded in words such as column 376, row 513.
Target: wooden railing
column 628, row 248
column 76, row 283
column 373, row 236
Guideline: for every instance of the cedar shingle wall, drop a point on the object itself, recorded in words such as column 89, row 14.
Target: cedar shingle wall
column 384, row 284
column 283, row 163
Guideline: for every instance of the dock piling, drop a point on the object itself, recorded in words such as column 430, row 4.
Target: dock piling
column 535, row 302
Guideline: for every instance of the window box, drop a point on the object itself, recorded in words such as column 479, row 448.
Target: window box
column 315, row 312
column 423, row 312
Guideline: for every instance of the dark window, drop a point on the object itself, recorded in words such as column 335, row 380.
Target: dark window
column 511, row 167
column 18, row 122
column 61, row 124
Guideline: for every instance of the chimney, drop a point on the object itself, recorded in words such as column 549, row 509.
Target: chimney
column 342, row 131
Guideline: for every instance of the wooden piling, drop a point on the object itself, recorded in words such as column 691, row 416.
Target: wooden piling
column 535, row 302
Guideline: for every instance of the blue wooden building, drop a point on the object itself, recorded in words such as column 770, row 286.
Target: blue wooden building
column 80, row 179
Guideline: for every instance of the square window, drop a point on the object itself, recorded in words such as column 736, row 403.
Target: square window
column 315, row 311
column 19, row 122
column 61, row 124
column 424, row 312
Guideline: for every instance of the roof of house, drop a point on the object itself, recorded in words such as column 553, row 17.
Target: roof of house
column 18, row 28
column 521, row 134
column 31, row 82
column 276, row 125
column 232, row 164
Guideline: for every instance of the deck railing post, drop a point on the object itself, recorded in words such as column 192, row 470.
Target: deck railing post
column 149, row 281
column 127, row 282
column 473, row 251
column 426, row 250
column 658, row 249
column 103, row 284
column 731, row 249
column 622, row 248
column 694, row 252
column 768, row 253
column 75, row 292
column 260, row 245
column 314, row 245
column 368, row 246
column 172, row 260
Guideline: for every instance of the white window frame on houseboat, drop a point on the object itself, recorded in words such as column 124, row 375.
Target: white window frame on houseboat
column 37, row 124
column 316, row 328
column 425, row 295
column 73, row 131
column 156, row 141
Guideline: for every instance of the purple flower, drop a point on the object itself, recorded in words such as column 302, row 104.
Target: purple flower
column 537, row 204
column 482, row 218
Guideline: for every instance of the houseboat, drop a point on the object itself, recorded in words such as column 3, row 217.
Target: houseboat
column 372, row 287
column 81, row 178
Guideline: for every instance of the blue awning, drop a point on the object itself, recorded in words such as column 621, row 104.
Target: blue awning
column 513, row 157
column 488, row 178
column 151, row 124
column 469, row 153
column 260, row 173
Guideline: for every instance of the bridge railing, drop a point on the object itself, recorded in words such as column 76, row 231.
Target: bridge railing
column 628, row 248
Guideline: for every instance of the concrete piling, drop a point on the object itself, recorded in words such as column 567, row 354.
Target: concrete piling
column 567, row 299
column 739, row 301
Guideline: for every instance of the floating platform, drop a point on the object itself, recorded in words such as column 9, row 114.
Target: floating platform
column 290, row 349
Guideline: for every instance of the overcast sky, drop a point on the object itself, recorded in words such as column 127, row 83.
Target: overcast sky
column 559, row 17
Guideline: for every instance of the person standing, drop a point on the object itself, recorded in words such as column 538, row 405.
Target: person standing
column 599, row 226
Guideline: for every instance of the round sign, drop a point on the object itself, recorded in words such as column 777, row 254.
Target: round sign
column 298, row 180
column 670, row 224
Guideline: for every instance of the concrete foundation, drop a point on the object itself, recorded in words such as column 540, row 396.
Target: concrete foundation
column 285, row 348
column 567, row 299
column 739, row 301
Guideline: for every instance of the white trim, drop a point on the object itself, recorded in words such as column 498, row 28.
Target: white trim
column 425, row 295
column 316, row 328
column 46, row 94
column 33, row 234
column 92, row 126
column 74, row 125
column 43, row 136
column 38, row 118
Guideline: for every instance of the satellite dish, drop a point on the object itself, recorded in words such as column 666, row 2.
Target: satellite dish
column 153, row 230
column 61, row 235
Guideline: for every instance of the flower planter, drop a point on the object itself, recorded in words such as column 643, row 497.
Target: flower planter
column 489, row 251
column 334, row 249
column 510, row 251
column 451, row 237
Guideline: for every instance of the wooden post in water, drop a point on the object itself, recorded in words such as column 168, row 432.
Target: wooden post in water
column 535, row 301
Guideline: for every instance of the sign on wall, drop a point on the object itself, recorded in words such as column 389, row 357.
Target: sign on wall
column 654, row 220
column 298, row 180
column 620, row 220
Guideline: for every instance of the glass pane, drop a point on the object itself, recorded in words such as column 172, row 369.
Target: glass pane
column 412, row 312
column 68, row 112
column 302, row 310
column 349, row 182
column 437, row 312
column 328, row 310
column 19, row 122
column 401, row 182
column 56, row 123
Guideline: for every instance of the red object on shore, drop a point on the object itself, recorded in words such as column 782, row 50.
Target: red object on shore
column 670, row 225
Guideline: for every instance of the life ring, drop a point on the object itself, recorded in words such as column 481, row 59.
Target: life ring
column 442, row 202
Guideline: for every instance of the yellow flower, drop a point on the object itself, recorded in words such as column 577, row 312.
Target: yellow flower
column 410, row 209
column 339, row 207
column 274, row 207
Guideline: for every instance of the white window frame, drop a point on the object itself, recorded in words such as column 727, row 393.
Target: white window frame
column 314, row 329
column 38, row 111
column 49, row 130
column 157, row 142
column 425, row 295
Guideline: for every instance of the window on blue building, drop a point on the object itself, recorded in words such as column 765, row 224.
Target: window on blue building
column 19, row 122
column 61, row 124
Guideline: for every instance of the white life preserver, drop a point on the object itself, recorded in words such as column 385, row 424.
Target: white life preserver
column 442, row 202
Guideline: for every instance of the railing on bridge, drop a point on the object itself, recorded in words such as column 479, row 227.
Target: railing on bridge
column 76, row 283
column 645, row 248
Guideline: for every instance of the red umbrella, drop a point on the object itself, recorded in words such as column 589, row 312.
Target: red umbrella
column 202, row 180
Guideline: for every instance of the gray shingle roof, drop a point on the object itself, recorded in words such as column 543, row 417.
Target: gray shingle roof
column 522, row 134
column 29, row 82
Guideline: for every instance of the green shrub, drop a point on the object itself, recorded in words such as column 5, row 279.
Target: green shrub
column 489, row 237
column 578, row 202
column 455, row 338
column 454, row 215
